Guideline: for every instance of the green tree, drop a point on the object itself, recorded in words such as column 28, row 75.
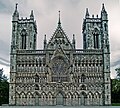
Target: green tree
column 115, row 90
column 4, row 89
column 115, row 84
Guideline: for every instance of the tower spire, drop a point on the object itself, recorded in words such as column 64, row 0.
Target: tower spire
column 45, row 41
column 32, row 15
column 16, row 13
column 103, row 12
column 16, row 6
column 59, row 23
column 87, row 13
column 73, row 41
column 103, row 7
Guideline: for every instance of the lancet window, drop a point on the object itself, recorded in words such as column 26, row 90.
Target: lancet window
column 82, row 78
column 23, row 35
column 36, row 78
column 96, row 38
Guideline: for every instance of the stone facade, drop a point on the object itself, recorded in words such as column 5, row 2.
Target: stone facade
column 60, row 74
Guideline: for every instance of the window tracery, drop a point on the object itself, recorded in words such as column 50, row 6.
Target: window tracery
column 23, row 36
column 36, row 78
column 36, row 87
column 96, row 38
column 82, row 78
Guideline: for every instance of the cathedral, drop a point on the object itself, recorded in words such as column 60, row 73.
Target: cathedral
column 60, row 74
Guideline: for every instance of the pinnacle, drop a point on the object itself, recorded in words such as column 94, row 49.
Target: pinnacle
column 31, row 13
column 16, row 13
column 103, row 7
column 59, row 23
column 16, row 6
column 87, row 13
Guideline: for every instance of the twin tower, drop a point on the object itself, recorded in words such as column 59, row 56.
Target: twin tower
column 95, row 30
column 60, row 74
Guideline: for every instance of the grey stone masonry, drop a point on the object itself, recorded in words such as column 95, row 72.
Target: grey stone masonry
column 59, row 74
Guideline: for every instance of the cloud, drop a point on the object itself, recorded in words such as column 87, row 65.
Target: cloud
column 4, row 47
column 4, row 60
column 115, row 63
column 5, row 34
column 5, row 64
column 5, row 6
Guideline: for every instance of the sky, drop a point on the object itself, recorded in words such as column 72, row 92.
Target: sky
column 46, row 15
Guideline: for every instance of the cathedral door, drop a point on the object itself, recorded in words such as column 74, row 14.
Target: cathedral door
column 36, row 100
column 82, row 100
column 59, row 99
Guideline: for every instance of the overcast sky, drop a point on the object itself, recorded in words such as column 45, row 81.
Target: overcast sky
column 46, row 15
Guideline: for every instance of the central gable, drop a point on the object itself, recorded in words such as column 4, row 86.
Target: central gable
column 59, row 38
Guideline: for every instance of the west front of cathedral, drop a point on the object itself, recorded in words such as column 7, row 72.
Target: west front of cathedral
column 60, row 74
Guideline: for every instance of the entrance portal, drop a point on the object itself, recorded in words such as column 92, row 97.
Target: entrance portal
column 59, row 99
column 36, row 99
column 83, row 98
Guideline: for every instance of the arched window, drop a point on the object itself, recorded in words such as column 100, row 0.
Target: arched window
column 105, row 26
column 84, row 40
column 34, row 41
column 96, row 38
column 83, row 87
column 82, row 78
column 36, row 87
column 23, row 35
column 13, row 27
column 36, row 78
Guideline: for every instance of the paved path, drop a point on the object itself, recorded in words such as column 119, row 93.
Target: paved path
column 59, row 106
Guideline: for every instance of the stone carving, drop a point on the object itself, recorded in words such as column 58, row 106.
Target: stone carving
column 59, row 74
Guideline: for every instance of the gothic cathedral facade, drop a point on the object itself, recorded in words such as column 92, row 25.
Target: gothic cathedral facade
column 60, row 74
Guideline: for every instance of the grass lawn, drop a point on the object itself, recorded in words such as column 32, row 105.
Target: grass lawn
column 115, row 104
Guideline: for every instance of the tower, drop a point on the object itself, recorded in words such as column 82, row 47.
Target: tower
column 106, row 57
column 24, row 33
column 95, row 37
column 92, row 38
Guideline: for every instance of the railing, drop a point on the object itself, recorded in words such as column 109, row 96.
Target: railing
column 89, row 51
column 30, row 51
column 75, row 51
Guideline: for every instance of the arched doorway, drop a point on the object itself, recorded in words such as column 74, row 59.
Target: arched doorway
column 83, row 98
column 36, row 99
column 59, row 99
